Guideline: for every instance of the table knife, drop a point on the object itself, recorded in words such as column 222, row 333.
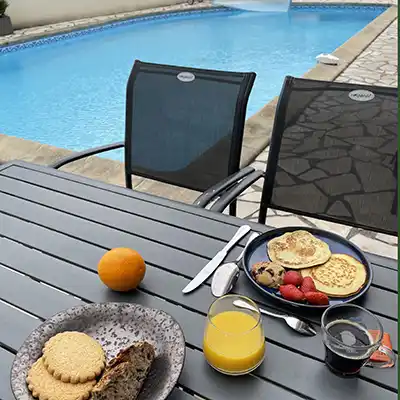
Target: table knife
column 216, row 261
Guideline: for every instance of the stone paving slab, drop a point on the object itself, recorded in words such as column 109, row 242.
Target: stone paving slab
column 377, row 65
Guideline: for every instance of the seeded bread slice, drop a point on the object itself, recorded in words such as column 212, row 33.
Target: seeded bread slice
column 124, row 375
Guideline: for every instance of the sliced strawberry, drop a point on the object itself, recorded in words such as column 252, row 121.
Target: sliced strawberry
column 308, row 285
column 317, row 298
column 292, row 278
column 290, row 292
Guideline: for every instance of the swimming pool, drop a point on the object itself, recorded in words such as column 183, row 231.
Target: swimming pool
column 69, row 91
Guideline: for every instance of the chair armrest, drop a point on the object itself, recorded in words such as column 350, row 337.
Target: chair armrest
column 235, row 191
column 221, row 187
column 86, row 153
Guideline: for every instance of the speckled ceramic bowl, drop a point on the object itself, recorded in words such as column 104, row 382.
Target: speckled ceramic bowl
column 115, row 326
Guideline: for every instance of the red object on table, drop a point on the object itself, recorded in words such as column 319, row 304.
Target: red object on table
column 379, row 356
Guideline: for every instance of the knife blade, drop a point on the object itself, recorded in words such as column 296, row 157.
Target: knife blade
column 216, row 261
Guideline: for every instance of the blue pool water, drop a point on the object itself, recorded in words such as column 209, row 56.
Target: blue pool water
column 71, row 93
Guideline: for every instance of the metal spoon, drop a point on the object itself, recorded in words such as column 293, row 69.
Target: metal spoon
column 226, row 276
column 298, row 325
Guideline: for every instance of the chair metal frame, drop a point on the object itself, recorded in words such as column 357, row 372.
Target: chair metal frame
column 236, row 140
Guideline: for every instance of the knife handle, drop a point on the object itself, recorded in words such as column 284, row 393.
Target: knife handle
column 241, row 232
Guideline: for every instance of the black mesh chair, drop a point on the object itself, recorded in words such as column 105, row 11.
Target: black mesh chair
column 333, row 155
column 184, row 126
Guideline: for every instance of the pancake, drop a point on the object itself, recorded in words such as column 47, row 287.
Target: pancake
column 341, row 276
column 298, row 249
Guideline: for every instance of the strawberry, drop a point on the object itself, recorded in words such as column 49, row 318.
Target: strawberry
column 290, row 292
column 308, row 285
column 292, row 278
column 317, row 298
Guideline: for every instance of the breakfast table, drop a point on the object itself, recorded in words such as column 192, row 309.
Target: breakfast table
column 55, row 227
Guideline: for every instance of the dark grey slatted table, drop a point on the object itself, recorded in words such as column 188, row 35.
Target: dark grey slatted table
column 54, row 227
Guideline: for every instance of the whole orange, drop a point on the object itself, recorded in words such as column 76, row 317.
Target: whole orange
column 121, row 269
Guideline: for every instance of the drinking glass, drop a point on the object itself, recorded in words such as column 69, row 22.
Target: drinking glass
column 351, row 335
column 234, row 341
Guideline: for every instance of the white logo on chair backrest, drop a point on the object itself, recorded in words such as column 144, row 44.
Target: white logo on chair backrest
column 361, row 95
column 186, row 77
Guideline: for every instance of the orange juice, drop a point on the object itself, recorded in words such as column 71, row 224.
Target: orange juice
column 234, row 342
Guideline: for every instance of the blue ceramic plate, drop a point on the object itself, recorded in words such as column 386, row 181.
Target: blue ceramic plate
column 257, row 251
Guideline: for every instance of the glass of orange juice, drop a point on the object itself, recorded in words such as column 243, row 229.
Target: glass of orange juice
column 234, row 341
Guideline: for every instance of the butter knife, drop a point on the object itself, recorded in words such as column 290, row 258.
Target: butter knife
column 216, row 261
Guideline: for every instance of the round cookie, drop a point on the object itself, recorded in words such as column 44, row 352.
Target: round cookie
column 73, row 357
column 46, row 387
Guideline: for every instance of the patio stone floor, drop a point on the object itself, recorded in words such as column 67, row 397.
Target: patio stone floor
column 376, row 65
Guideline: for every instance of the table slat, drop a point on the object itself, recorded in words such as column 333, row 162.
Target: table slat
column 42, row 299
column 140, row 226
column 39, row 182
column 6, row 360
column 19, row 325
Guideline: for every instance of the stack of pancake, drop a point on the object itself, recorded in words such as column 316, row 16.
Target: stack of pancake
column 337, row 275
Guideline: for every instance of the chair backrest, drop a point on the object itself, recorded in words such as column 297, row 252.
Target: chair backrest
column 333, row 154
column 184, row 126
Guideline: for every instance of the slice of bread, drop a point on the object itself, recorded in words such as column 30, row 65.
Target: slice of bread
column 124, row 375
